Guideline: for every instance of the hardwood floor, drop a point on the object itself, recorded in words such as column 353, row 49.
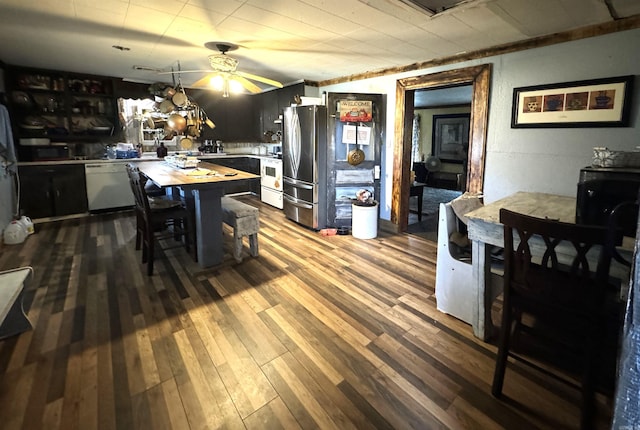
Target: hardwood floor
column 316, row 332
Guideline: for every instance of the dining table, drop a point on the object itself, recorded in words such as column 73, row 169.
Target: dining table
column 485, row 231
column 202, row 187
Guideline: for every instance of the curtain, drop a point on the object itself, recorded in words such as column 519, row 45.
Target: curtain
column 415, row 139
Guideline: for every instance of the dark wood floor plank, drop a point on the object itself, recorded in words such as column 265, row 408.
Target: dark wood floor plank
column 177, row 418
column 204, row 410
column 147, row 358
column 342, row 408
column 475, row 386
column 259, row 341
column 440, row 390
column 358, row 366
column 17, row 354
column 14, row 395
column 51, row 416
column 298, row 290
column 70, row 412
column 275, row 415
column 142, row 418
column 315, row 332
column 210, row 375
column 58, row 374
column 297, row 338
column 100, row 316
column 37, row 398
column 318, row 404
column 159, row 418
column 244, row 380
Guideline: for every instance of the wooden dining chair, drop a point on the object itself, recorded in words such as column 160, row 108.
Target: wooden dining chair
column 156, row 219
column 561, row 310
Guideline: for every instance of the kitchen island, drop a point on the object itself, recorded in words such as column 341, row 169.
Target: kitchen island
column 203, row 190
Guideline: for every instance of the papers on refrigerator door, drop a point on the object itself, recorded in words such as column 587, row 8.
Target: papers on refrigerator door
column 353, row 134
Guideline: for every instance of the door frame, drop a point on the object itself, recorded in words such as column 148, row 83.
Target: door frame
column 477, row 76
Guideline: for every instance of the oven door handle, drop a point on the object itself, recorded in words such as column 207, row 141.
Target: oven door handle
column 298, row 184
column 298, row 203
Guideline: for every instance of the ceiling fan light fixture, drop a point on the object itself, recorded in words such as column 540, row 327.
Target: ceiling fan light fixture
column 225, row 90
column 235, row 86
column 221, row 46
column 223, row 63
column 217, row 82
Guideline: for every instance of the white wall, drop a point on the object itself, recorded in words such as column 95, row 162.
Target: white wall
column 544, row 159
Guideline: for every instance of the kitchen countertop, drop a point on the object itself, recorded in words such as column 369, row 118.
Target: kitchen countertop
column 143, row 158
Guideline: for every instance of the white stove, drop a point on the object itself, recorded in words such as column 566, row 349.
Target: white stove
column 271, row 182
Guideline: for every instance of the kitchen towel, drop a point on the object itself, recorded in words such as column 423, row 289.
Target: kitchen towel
column 7, row 149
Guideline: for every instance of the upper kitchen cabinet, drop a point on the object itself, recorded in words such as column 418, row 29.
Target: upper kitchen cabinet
column 268, row 105
column 60, row 106
column 272, row 104
column 234, row 116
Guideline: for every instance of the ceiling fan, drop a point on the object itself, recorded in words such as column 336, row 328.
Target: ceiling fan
column 224, row 71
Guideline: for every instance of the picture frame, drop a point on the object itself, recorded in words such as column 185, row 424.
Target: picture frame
column 450, row 137
column 589, row 103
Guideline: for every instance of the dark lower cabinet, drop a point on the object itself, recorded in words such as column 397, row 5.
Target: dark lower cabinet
column 246, row 164
column 47, row 191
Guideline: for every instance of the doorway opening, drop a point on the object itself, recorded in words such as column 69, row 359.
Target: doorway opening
column 440, row 143
column 478, row 78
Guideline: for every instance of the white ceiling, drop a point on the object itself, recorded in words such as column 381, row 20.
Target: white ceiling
column 286, row 40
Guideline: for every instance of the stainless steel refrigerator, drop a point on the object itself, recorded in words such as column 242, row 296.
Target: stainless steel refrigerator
column 329, row 154
column 304, row 155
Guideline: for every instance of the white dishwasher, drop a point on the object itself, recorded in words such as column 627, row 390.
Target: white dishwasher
column 108, row 185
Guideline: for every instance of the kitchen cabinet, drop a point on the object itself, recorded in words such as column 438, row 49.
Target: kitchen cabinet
column 268, row 103
column 287, row 95
column 272, row 104
column 52, row 190
column 234, row 116
column 246, row 164
column 60, row 106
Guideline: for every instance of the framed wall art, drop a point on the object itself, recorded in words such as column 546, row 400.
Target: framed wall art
column 450, row 138
column 591, row 103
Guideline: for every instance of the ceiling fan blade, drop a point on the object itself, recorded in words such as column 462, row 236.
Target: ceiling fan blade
column 247, row 84
column 204, row 82
column 259, row 79
column 175, row 72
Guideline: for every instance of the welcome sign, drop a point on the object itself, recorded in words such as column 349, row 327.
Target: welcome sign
column 356, row 110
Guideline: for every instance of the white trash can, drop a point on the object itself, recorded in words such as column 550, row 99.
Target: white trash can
column 364, row 221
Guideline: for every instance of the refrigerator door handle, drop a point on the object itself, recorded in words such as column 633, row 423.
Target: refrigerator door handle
column 298, row 203
column 298, row 184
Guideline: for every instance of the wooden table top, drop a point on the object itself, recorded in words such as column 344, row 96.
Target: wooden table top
column 487, row 226
column 541, row 205
column 166, row 175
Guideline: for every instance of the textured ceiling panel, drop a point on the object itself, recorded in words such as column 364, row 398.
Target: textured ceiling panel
column 286, row 40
